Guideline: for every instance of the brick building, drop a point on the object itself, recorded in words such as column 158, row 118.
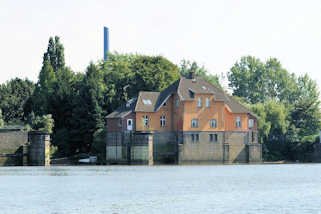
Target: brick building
column 191, row 121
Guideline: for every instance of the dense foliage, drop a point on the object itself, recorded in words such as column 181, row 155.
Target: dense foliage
column 13, row 97
column 288, row 106
column 1, row 120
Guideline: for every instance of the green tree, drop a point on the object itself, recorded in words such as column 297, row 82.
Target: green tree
column 55, row 54
column 13, row 97
column 41, row 123
column 1, row 120
column 305, row 112
column 258, row 82
column 187, row 66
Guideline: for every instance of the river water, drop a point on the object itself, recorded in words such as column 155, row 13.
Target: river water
column 293, row 188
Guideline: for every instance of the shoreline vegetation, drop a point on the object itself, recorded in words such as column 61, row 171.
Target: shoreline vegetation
column 72, row 106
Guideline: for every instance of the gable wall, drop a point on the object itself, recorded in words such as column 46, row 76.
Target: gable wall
column 230, row 122
column 154, row 123
column 112, row 123
column 203, row 114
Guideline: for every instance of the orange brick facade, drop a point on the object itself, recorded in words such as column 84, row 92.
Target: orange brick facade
column 179, row 117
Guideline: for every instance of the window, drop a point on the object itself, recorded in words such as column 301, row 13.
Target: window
column 147, row 102
column 165, row 104
column 191, row 94
column 238, row 122
column 195, row 138
column 162, row 121
column 194, row 123
column 199, row 102
column 213, row 138
column 177, row 103
column 251, row 123
column 119, row 123
column 145, row 121
column 252, row 134
column 213, row 123
column 207, row 102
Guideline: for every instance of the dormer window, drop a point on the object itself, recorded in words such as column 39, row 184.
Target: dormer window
column 199, row 102
column 191, row 94
column 147, row 102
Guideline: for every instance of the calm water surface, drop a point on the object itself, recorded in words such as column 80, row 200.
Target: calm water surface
column 161, row 189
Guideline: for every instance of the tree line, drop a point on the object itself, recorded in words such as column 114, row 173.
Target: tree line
column 73, row 105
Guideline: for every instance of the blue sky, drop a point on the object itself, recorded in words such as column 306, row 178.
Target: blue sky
column 213, row 33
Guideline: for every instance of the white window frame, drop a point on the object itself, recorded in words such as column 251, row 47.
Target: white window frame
column 131, row 126
column 146, row 121
column 238, row 122
column 213, row 123
column 163, row 121
column 207, row 102
column 199, row 102
column 251, row 123
column 194, row 123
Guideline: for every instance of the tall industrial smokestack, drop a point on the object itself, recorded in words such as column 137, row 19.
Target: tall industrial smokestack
column 106, row 42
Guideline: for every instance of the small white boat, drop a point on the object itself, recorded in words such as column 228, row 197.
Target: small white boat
column 91, row 159
column 85, row 160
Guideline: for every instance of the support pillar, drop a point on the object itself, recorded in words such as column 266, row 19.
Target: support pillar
column 150, row 150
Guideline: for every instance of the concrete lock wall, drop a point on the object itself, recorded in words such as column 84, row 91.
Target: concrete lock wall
column 231, row 147
column 179, row 147
column 202, row 151
column 116, row 149
column 140, row 149
column 11, row 142
column 39, row 148
column 165, row 147
column 238, row 150
column 19, row 148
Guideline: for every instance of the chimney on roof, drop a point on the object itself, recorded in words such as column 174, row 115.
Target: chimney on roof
column 191, row 75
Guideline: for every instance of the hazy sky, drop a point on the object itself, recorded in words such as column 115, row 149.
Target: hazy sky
column 214, row 33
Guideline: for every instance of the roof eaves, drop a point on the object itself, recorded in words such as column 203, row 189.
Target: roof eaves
column 158, row 107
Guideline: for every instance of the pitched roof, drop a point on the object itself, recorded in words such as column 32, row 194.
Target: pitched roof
column 198, row 86
column 148, row 101
column 123, row 110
